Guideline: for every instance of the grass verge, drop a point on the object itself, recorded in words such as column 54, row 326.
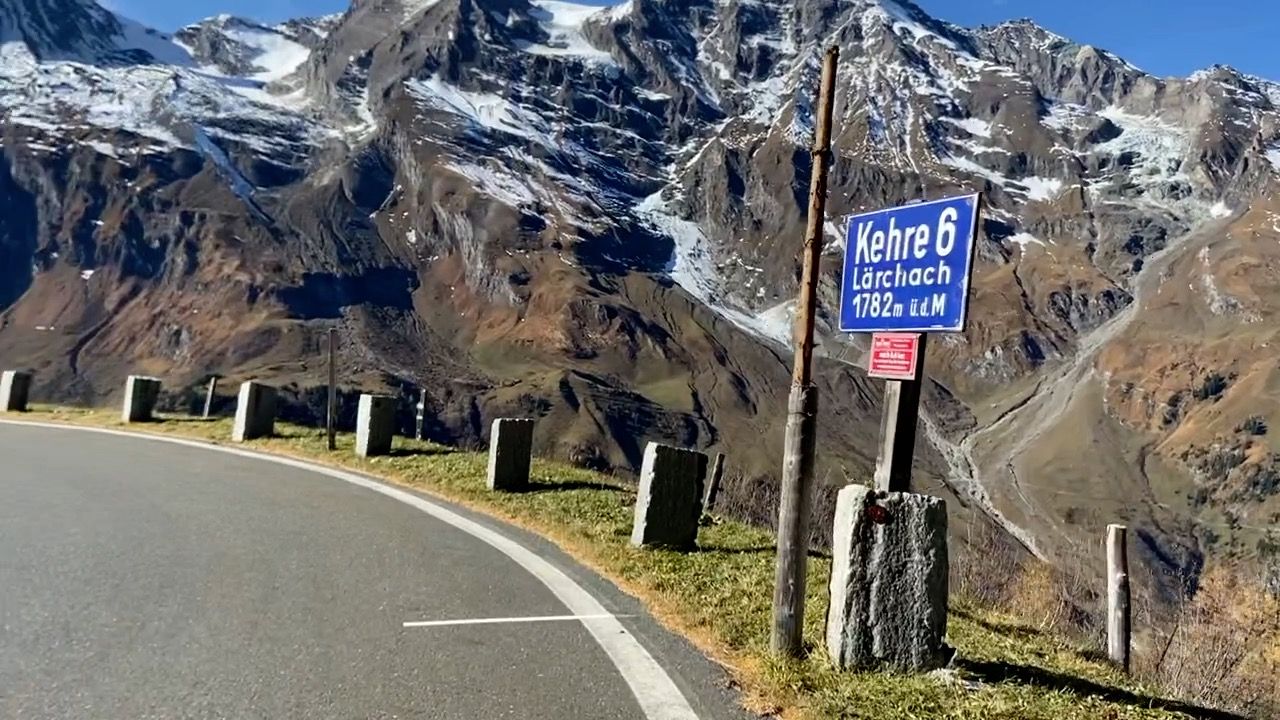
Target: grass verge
column 720, row 595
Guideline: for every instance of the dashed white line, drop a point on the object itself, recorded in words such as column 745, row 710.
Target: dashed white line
column 500, row 621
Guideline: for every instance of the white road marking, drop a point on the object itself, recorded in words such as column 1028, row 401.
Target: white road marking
column 656, row 693
column 501, row 621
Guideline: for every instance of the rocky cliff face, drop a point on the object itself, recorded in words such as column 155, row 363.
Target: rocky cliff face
column 593, row 215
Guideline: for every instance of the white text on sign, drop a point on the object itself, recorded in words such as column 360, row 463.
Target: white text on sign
column 895, row 246
column 907, row 268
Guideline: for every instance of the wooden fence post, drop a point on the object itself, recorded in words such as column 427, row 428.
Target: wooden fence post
column 208, row 398
column 1118, row 604
column 331, row 407
column 420, row 419
column 713, row 486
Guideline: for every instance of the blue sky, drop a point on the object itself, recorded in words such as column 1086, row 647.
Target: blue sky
column 1165, row 37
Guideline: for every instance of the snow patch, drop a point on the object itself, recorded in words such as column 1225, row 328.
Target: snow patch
column 498, row 185
column 275, row 55
column 1159, row 147
column 1041, row 189
column 903, row 19
column 239, row 185
column 1024, row 240
column 1220, row 210
column 776, row 323
column 690, row 267
column 1273, row 157
column 651, row 94
column 135, row 36
column 413, row 8
column 102, row 148
column 562, row 22
column 1064, row 116
column 973, row 168
column 619, row 12
column 86, row 274
column 486, row 110
column 150, row 101
column 973, row 126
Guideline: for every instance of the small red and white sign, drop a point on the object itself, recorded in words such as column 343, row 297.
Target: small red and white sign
column 894, row 356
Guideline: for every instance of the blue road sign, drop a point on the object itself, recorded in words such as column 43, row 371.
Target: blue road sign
column 907, row 269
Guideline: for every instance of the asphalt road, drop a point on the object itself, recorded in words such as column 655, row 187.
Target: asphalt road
column 141, row 579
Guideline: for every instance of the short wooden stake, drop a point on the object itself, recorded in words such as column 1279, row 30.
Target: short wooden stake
column 331, row 407
column 713, row 485
column 1118, row 605
column 420, row 422
column 208, row 397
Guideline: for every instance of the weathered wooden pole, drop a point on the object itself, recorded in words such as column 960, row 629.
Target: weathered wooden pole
column 1118, row 605
column 331, row 406
column 898, row 428
column 420, row 422
column 713, row 485
column 208, row 396
column 802, row 406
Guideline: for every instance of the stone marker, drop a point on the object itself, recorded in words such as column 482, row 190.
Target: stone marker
column 510, row 452
column 255, row 412
column 669, row 501
column 140, row 396
column 888, row 581
column 375, row 425
column 15, row 388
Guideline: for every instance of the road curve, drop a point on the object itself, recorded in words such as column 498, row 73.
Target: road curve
column 146, row 579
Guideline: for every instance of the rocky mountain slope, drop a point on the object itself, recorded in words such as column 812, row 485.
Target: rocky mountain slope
column 592, row 215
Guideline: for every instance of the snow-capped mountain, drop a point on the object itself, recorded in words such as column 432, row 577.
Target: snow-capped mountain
column 592, row 215
column 72, row 30
column 235, row 47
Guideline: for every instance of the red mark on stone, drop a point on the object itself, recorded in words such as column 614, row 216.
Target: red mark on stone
column 878, row 514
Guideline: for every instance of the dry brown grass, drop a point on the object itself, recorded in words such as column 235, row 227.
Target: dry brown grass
column 1223, row 647
column 1056, row 599
column 985, row 566
column 1219, row 647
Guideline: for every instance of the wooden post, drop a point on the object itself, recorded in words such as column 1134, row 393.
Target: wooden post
column 1118, row 605
column 713, row 486
column 332, row 405
column 208, row 397
column 898, row 428
column 802, row 405
column 420, row 422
